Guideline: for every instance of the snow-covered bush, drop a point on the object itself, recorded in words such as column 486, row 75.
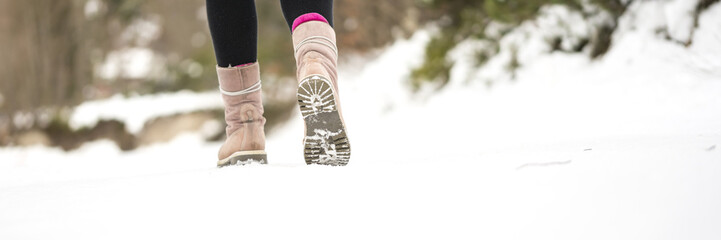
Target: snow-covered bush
column 480, row 29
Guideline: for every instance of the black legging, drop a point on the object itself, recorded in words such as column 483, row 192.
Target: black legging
column 234, row 26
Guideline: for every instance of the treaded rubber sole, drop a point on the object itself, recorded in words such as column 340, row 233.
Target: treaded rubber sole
column 244, row 157
column 326, row 141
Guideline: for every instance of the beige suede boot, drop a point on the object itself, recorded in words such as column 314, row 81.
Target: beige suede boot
column 245, row 143
column 326, row 140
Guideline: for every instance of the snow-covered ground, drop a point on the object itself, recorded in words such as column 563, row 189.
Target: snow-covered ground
column 624, row 147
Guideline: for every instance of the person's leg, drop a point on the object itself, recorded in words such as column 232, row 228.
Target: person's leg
column 234, row 30
column 233, row 27
column 316, row 55
column 299, row 11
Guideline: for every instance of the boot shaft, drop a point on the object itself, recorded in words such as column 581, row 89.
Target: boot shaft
column 315, row 50
column 240, row 88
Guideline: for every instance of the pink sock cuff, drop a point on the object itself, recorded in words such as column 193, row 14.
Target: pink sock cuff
column 307, row 18
column 243, row 65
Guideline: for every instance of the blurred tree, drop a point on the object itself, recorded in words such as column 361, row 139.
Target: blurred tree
column 44, row 53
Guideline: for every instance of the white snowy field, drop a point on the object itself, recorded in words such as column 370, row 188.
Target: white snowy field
column 624, row 147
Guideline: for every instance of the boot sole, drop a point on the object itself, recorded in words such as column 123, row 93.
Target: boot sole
column 244, row 157
column 326, row 142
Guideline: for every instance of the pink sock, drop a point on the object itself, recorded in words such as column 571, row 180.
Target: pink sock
column 307, row 18
column 243, row 65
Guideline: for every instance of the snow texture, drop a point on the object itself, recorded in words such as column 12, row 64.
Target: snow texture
column 679, row 18
column 624, row 147
column 136, row 111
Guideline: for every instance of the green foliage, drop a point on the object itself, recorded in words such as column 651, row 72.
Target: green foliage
column 124, row 10
column 517, row 11
column 513, row 65
column 704, row 4
column 615, row 7
column 435, row 67
column 468, row 19
column 464, row 19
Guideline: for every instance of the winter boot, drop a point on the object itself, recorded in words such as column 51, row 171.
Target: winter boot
column 326, row 140
column 245, row 143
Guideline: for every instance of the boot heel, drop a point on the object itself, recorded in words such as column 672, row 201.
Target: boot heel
column 326, row 141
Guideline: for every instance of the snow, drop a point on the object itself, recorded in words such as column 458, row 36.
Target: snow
column 624, row 147
column 136, row 111
column 136, row 60
column 132, row 62
column 679, row 15
column 92, row 8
